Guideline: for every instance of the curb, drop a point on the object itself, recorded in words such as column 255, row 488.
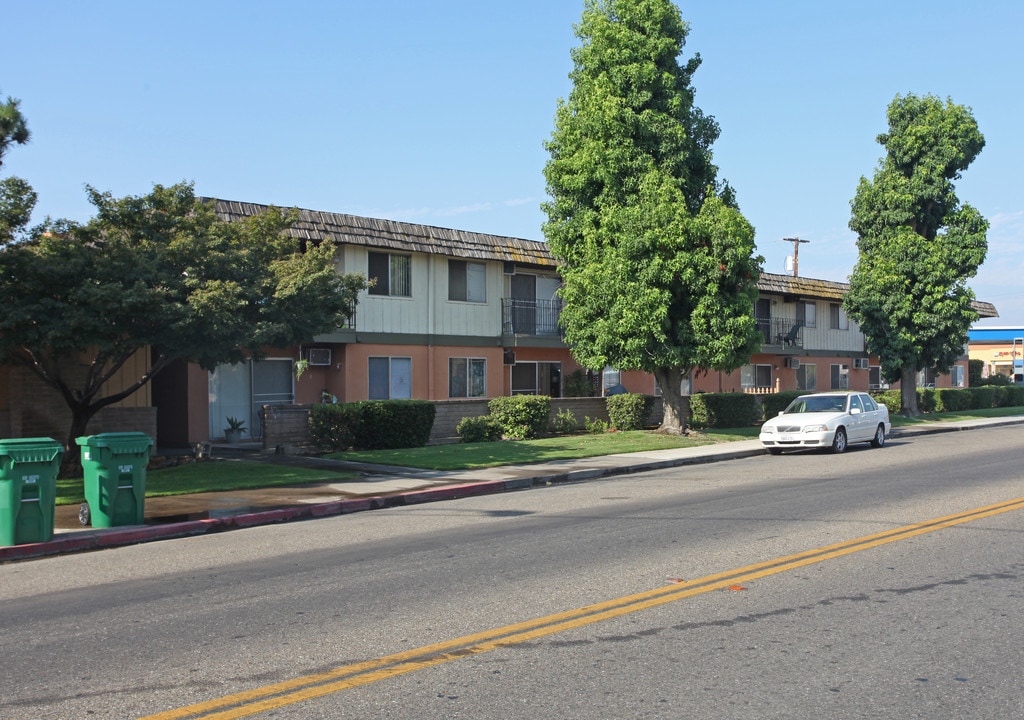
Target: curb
column 137, row 534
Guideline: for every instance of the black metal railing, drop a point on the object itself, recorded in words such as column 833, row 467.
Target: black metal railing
column 530, row 317
column 781, row 332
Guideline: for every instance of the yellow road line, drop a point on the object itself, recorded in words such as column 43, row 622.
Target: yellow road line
column 269, row 697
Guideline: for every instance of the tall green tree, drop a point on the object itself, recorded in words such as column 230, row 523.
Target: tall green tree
column 160, row 274
column 657, row 262
column 918, row 244
column 13, row 126
column 17, row 198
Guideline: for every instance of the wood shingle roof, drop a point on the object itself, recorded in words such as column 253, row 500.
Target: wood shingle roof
column 315, row 227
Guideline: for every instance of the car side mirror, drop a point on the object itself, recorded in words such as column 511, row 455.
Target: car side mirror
column 782, row 412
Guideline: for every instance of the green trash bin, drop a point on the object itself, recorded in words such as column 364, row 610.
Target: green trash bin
column 114, row 465
column 28, row 489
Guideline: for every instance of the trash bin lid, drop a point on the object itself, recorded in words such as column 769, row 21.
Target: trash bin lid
column 131, row 442
column 31, row 450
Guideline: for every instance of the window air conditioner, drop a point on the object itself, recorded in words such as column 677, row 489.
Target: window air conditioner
column 319, row 356
column 860, row 363
column 792, row 362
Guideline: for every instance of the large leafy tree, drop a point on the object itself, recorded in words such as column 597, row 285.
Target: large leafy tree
column 918, row 244
column 160, row 274
column 657, row 262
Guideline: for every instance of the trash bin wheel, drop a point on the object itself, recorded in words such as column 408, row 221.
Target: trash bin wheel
column 84, row 514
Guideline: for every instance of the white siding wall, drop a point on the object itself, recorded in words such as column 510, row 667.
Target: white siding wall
column 428, row 310
column 823, row 337
column 467, row 318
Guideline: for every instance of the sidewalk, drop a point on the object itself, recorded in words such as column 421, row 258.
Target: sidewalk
column 381, row 487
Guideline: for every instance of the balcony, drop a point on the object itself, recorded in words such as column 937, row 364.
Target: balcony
column 780, row 333
column 530, row 317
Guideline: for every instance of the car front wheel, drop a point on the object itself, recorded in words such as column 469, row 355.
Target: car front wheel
column 839, row 441
column 879, row 439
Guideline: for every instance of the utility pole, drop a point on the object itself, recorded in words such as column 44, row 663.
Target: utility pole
column 796, row 253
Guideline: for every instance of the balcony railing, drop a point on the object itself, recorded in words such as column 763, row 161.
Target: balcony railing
column 781, row 332
column 530, row 317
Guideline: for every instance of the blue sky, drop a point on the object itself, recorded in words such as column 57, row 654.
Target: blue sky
column 436, row 113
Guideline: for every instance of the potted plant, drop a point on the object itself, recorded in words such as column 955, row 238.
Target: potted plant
column 233, row 432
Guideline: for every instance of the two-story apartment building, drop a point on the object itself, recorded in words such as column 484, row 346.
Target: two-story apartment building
column 455, row 314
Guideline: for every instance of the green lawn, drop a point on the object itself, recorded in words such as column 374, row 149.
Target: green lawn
column 209, row 477
column 466, row 456
column 240, row 475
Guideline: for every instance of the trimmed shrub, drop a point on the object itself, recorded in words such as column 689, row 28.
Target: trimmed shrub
column 1014, row 395
column 393, row 424
column 577, row 385
column 521, row 417
column 926, row 400
column 372, row 424
column 951, row 400
column 597, row 426
column 565, row 423
column 891, row 399
column 333, row 427
column 723, row 410
column 629, row 411
column 483, row 428
column 775, row 403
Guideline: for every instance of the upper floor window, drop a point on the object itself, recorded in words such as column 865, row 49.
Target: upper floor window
column 393, row 274
column 837, row 317
column 806, row 314
column 467, row 281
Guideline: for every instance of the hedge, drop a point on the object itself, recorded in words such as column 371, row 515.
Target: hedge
column 629, row 411
column 372, row 424
column 723, row 410
column 521, row 417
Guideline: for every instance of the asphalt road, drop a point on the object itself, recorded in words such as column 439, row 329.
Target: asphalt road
column 729, row 590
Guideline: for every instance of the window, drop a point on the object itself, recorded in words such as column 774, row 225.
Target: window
column 467, row 377
column 756, row 376
column 874, row 377
column 807, row 377
column 837, row 319
column 840, row 377
column 806, row 314
column 537, row 378
column 957, row 375
column 467, row 281
column 393, row 274
column 390, row 378
column 610, row 378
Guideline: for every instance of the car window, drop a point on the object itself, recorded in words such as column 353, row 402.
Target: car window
column 855, row 403
column 869, row 403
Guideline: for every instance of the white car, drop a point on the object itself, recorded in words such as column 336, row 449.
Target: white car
column 827, row 420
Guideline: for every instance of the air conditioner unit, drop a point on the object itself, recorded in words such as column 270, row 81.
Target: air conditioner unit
column 860, row 363
column 792, row 362
column 508, row 267
column 319, row 356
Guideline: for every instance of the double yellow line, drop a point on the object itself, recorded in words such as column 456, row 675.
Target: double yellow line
column 304, row 688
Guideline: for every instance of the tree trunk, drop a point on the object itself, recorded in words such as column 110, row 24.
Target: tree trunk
column 80, row 417
column 908, row 393
column 676, row 416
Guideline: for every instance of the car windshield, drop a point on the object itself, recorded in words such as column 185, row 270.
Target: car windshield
column 818, row 403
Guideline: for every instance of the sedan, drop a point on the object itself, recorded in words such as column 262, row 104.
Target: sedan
column 827, row 420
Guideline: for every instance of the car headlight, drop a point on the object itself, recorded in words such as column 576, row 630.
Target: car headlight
column 815, row 428
column 768, row 429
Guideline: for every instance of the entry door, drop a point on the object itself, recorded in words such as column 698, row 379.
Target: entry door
column 524, row 304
